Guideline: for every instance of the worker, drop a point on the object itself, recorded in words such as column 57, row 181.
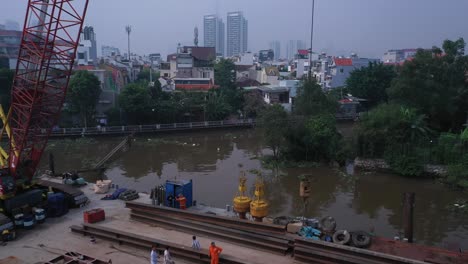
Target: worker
column 154, row 254
column 167, row 257
column 214, row 253
column 195, row 243
column 182, row 201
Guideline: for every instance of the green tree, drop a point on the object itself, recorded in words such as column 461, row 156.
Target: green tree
column 217, row 107
column 253, row 104
column 6, row 82
column 311, row 100
column 322, row 140
column 435, row 84
column 83, row 95
column 274, row 123
column 135, row 100
column 225, row 74
column 371, row 82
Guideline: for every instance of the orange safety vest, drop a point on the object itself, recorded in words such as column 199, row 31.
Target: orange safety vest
column 182, row 202
column 214, row 254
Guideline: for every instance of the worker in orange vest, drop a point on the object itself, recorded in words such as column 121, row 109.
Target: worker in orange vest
column 214, row 253
column 182, row 201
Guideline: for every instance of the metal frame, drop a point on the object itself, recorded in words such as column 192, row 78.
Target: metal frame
column 47, row 53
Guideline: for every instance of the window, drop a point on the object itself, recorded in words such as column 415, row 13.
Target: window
column 341, row 70
column 81, row 56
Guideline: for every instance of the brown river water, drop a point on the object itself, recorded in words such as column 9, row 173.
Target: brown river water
column 363, row 201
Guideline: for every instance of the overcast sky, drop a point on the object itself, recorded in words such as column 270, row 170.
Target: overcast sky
column 367, row 27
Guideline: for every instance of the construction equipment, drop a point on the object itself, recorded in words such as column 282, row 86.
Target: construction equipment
column 46, row 57
column 241, row 201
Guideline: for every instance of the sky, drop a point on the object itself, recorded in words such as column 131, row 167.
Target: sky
column 365, row 27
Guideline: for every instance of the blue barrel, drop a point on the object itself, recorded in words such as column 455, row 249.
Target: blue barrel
column 39, row 215
column 19, row 220
column 28, row 222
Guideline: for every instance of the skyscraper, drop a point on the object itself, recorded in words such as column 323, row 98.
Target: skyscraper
column 293, row 46
column 237, row 33
column 213, row 33
column 276, row 47
column 91, row 36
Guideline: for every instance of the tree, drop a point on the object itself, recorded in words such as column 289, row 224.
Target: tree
column 225, row 74
column 6, row 82
column 217, row 107
column 253, row 104
column 274, row 123
column 135, row 100
column 371, row 82
column 322, row 138
column 435, row 84
column 83, row 95
column 311, row 100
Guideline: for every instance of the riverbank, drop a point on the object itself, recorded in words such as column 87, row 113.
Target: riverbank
column 437, row 171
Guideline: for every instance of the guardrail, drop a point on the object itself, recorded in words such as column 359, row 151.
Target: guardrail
column 119, row 130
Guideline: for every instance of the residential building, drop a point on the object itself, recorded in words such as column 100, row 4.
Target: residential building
column 276, row 47
column 332, row 72
column 398, row 56
column 213, row 33
column 10, row 41
column 87, row 49
column 191, row 68
column 272, row 94
column 266, row 55
column 244, row 59
column 237, row 34
column 109, row 51
column 155, row 59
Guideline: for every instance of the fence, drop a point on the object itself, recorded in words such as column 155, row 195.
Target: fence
column 120, row 130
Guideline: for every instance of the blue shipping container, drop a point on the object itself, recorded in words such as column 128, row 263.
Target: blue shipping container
column 174, row 188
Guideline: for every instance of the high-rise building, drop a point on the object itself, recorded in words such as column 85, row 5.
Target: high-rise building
column 293, row 46
column 87, row 49
column 276, row 47
column 237, row 33
column 10, row 41
column 213, row 33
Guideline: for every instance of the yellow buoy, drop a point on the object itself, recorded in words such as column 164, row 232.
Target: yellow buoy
column 259, row 206
column 241, row 201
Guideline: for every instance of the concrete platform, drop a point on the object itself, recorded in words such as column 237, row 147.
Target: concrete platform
column 53, row 238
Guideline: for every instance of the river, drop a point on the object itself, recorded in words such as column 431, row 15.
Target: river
column 365, row 201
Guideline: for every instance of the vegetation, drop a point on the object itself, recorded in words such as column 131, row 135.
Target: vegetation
column 83, row 95
column 371, row 82
column 423, row 123
column 274, row 122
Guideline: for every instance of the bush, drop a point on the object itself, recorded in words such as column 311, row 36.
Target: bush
column 404, row 164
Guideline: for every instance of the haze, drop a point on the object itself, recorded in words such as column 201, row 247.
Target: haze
column 367, row 27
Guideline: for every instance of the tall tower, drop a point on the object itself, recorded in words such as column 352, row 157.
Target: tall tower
column 237, row 33
column 213, row 33
column 128, row 29
column 195, row 37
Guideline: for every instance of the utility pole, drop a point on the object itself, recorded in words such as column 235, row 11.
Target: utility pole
column 311, row 39
column 128, row 29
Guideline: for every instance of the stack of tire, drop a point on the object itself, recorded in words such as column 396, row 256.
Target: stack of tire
column 129, row 195
column 358, row 239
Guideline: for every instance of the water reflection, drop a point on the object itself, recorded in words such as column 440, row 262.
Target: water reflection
column 362, row 201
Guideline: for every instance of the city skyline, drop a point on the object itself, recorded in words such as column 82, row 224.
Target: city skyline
column 340, row 26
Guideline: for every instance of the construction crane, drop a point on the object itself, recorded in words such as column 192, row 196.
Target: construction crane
column 45, row 61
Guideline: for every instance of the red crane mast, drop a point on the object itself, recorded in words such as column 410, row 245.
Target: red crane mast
column 47, row 53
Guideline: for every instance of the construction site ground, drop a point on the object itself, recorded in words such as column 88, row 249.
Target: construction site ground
column 54, row 238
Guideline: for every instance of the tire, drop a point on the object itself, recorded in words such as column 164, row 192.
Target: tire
column 341, row 237
column 328, row 224
column 361, row 239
